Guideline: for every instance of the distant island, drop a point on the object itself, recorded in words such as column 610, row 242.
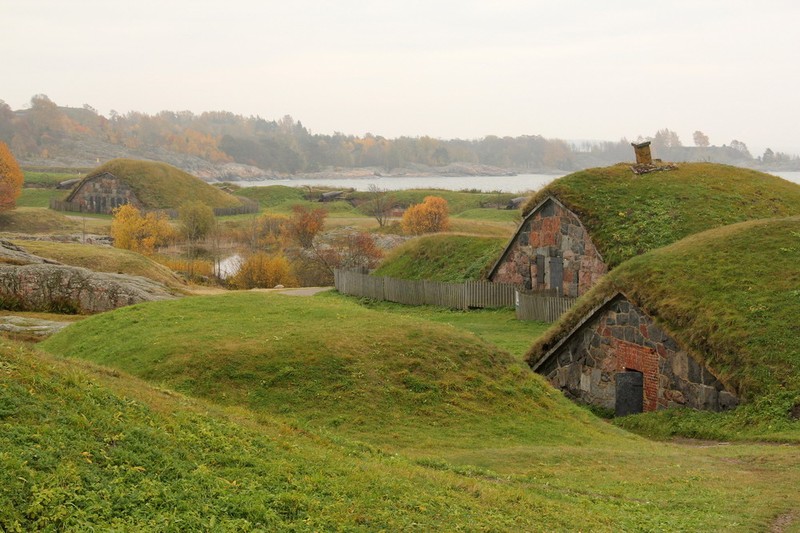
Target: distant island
column 222, row 146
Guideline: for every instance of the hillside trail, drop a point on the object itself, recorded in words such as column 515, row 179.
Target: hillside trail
column 294, row 291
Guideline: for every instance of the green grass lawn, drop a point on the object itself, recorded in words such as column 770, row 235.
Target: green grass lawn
column 496, row 326
column 328, row 415
column 38, row 197
column 491, row 213
column 280, row 199
column 50, row 178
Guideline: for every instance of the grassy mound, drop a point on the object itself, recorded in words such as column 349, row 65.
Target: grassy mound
column 485, row 448
column 85, row 447
column 273, row 196
column 281, row 198
column 732, row 297
column 103, row 259
column 162, row 186
column 442, row 258
column 32, row 220
column 326, row 362
column 627, row 215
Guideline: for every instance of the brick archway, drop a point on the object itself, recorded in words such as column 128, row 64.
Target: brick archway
column 632, row 356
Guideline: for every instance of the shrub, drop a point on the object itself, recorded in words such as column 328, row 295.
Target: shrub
column 263, row 270
column 132, row 231
column 431, row 216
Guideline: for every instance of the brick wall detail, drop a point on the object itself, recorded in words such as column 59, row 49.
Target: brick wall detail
column 621, row 336
column 551, row 251
column 104, row 193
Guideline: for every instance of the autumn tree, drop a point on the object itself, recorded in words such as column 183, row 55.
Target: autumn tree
column 380, row 204
column 431, row 216
column 351, row 250
column 265, row 271
column 11, row 179
column 700, row 139
column 267, row 232
column 141, row 233
column 196, row 221
column 666, row 138
column 305, row 224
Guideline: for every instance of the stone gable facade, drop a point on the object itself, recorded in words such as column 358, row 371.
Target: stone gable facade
column 550, row 251
column 102, row 194
column 620, row 337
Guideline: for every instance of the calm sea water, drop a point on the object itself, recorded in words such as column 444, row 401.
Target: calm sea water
column 519, row 183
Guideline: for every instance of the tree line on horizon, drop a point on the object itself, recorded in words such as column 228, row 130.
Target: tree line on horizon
column 287, row 146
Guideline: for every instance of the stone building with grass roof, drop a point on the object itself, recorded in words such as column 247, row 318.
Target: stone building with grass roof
column 582, row 225
column 146, row 185
column 616, row 357
column 707, row 322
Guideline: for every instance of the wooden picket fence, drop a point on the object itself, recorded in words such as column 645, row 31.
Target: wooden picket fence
column 532, row 306
column 471, row 294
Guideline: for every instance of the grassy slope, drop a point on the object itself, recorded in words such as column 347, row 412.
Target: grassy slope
column 103, row 259
column 86, row 448
column 442, row 257
column 37, row 220
column 500, row 451
column 161, row 186
column 628, row 215
column 496, row 326
column 490, row 213
column 732, row 297
column 330, row 363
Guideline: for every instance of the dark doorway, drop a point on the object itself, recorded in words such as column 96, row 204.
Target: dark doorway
column 630, row 393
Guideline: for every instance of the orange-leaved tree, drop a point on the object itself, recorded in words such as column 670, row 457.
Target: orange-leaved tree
column 431, row 216
column 133, row 231
column 305, row 224
column 11, row 179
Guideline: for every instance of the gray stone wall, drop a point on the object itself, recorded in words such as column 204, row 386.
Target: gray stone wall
column 622, row 337
column 552, row 251
column 103, row 194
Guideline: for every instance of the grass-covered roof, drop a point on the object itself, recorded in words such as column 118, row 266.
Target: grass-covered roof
column 443, row 257
column 628, row 214
column 730, row 296
column 162, row 186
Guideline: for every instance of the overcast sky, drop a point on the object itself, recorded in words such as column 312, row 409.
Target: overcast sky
column 566, row 69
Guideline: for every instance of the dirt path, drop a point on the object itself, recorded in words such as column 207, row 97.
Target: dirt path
column 782, row 522
column 298, row 291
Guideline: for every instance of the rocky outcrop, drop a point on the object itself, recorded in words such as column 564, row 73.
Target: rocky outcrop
column 12, row 254
column 32, row 283
column 32, row 327
column 65, row 289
